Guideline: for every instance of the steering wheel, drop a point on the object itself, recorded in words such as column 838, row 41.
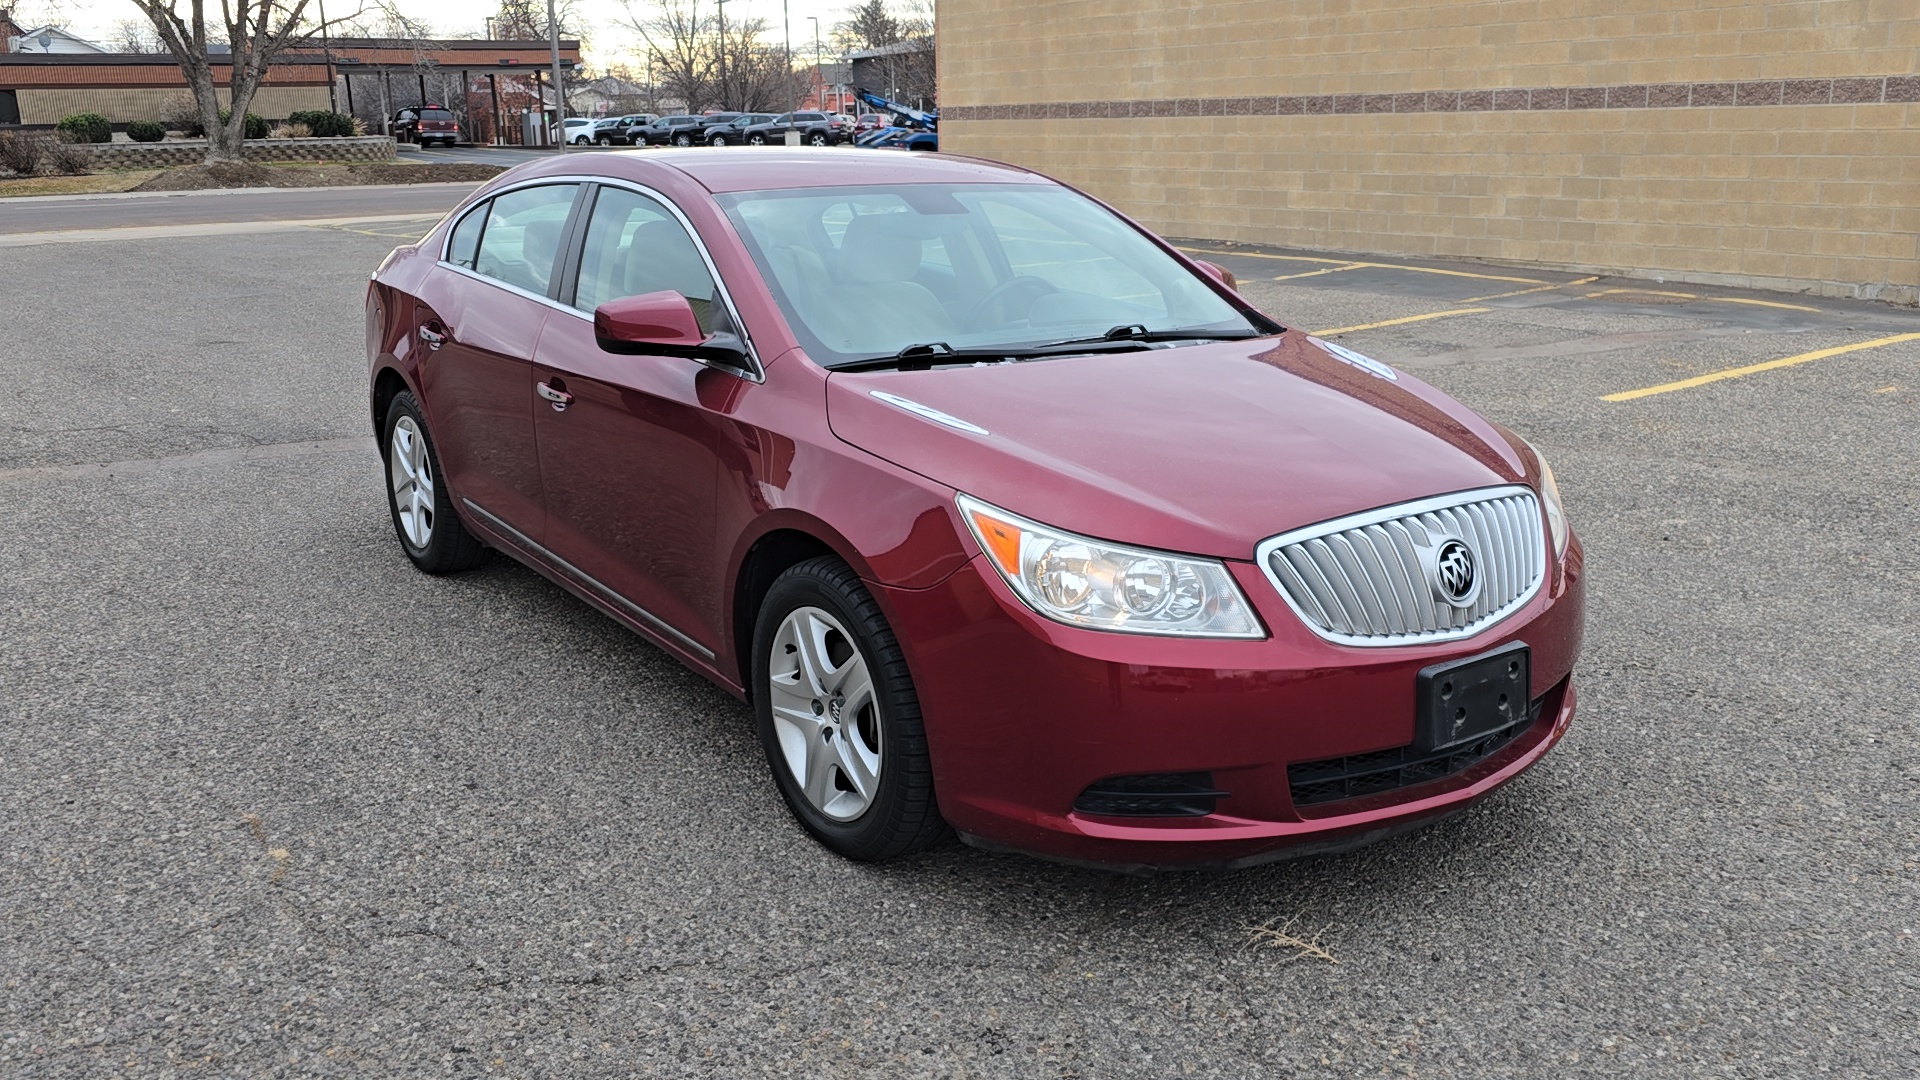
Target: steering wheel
column 996, row 298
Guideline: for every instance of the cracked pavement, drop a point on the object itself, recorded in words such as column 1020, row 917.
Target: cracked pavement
column 274, row 804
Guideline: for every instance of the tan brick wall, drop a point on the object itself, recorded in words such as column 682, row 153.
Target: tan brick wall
column 121, row 104
column 1824, row 197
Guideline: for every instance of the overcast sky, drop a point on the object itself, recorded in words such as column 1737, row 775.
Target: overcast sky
column 609, row 41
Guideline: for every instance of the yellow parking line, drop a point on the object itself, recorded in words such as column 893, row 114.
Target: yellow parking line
column 1642, row 292
column 1524, row 292
column 1368, row 265
column 1763, row 303
column 1317, row 273
column 1735, row 373
column 1408, row 319
column 1257, row 255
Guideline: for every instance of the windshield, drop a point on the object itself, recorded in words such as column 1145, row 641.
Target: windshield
column 862, row 273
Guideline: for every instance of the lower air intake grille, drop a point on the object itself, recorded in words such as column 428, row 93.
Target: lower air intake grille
column 1188, row 794
column 1357, row 775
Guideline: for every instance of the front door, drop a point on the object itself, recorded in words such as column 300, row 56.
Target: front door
column 628, row 453
column 479, row 325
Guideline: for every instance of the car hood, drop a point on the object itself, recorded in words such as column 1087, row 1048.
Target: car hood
column 1206, row 449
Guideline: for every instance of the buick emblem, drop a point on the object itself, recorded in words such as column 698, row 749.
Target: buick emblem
column 1455, row 578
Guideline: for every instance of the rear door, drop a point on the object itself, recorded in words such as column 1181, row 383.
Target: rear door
column 629, row 466
column 479, row 316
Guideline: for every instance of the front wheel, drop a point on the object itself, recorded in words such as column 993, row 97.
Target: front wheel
column 756, row 140
column 422, row 507
column 683, row 140
column 838, row 716
column 717, row 140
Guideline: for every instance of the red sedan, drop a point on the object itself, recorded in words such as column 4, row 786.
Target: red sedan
column 1005, row 516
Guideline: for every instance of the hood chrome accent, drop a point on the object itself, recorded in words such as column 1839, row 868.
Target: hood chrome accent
column 928, row 412
column 1353, row 359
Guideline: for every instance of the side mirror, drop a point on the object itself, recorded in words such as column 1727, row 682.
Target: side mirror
column 1219, row 273
column 662, row 324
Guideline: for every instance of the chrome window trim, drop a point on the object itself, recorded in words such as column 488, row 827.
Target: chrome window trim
column 756, row 374
column 1263, row 553
column 590, row 581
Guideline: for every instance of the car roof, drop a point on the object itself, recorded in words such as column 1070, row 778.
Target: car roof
column 727, row 169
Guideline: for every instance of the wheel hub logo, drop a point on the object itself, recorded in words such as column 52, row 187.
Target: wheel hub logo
column 1455, row 577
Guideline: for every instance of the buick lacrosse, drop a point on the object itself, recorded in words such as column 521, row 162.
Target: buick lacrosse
column 1005, row 516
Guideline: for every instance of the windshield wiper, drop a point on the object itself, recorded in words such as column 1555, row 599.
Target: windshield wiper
column 923, row 356
column 1137, row 332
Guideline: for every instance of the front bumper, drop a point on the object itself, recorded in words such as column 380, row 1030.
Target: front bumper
column 1024, row 714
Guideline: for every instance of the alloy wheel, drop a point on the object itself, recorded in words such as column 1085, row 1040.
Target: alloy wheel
column 818, row 140
column 825, row 713
column 410, row 473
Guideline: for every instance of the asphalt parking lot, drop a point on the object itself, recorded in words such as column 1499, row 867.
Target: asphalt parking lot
column 274, row 804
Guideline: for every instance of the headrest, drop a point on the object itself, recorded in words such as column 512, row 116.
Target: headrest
column 662, row 256
column 871, row 253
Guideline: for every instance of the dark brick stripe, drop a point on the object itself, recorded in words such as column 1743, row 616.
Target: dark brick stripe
column 1878, row 89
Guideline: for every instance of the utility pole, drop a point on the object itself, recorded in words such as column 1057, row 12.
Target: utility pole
column 326, row 47
column 787, row 26
column 559, row 88
column 722, row 6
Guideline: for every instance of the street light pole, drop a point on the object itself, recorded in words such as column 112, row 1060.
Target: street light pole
column 722, row 6
column 787, row 25
column 817, row 73
column 559, row 88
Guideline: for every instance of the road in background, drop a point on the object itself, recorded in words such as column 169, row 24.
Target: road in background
column 275, row 803
column 62, row 213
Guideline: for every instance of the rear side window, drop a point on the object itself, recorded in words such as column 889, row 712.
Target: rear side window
column 521, row 242
column 464, row 244
column 634, row 246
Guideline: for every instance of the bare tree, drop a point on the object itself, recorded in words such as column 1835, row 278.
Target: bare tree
column 135, row 36
column 697, row 60
column 867, row 25
column 680, row 37
column 256, row 32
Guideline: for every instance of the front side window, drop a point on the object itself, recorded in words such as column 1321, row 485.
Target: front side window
column 634, row 246
column 464, row 244
column 521, row 241
column 862, row 273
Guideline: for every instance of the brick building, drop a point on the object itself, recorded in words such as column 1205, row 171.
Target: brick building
column 1771, row 143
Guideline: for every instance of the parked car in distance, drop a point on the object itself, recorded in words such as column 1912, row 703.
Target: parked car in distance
column 578, row 131
column 426, row 125
column 732, row 133
column 866, row 122
column 815, row 128
column 1002, row 514
column 612, row 131
column 682, row 130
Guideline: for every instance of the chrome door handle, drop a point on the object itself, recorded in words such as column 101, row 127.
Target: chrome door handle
column 560, row 398
column 432, row 339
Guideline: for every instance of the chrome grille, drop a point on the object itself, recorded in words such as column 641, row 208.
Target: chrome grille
column 1370, row 579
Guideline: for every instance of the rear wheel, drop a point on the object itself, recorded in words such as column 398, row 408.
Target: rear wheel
column 838, row 716
column 683, row 139
column 605, row 140
column 756, row 139
column 422, row 507
column 818, row 138
column 717, row 140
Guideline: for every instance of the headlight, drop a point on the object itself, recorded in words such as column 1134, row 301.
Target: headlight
column 1550, row 495
column 1102, row 586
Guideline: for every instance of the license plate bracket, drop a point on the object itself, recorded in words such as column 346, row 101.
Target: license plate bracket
column 1463, row 700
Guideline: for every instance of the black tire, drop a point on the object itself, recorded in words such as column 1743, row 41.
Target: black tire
column 818, row 139
column 449, row 547
column 683, row 140
column 717, row 140
column 756, row 139
column 605, row 140
column 902, row 817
